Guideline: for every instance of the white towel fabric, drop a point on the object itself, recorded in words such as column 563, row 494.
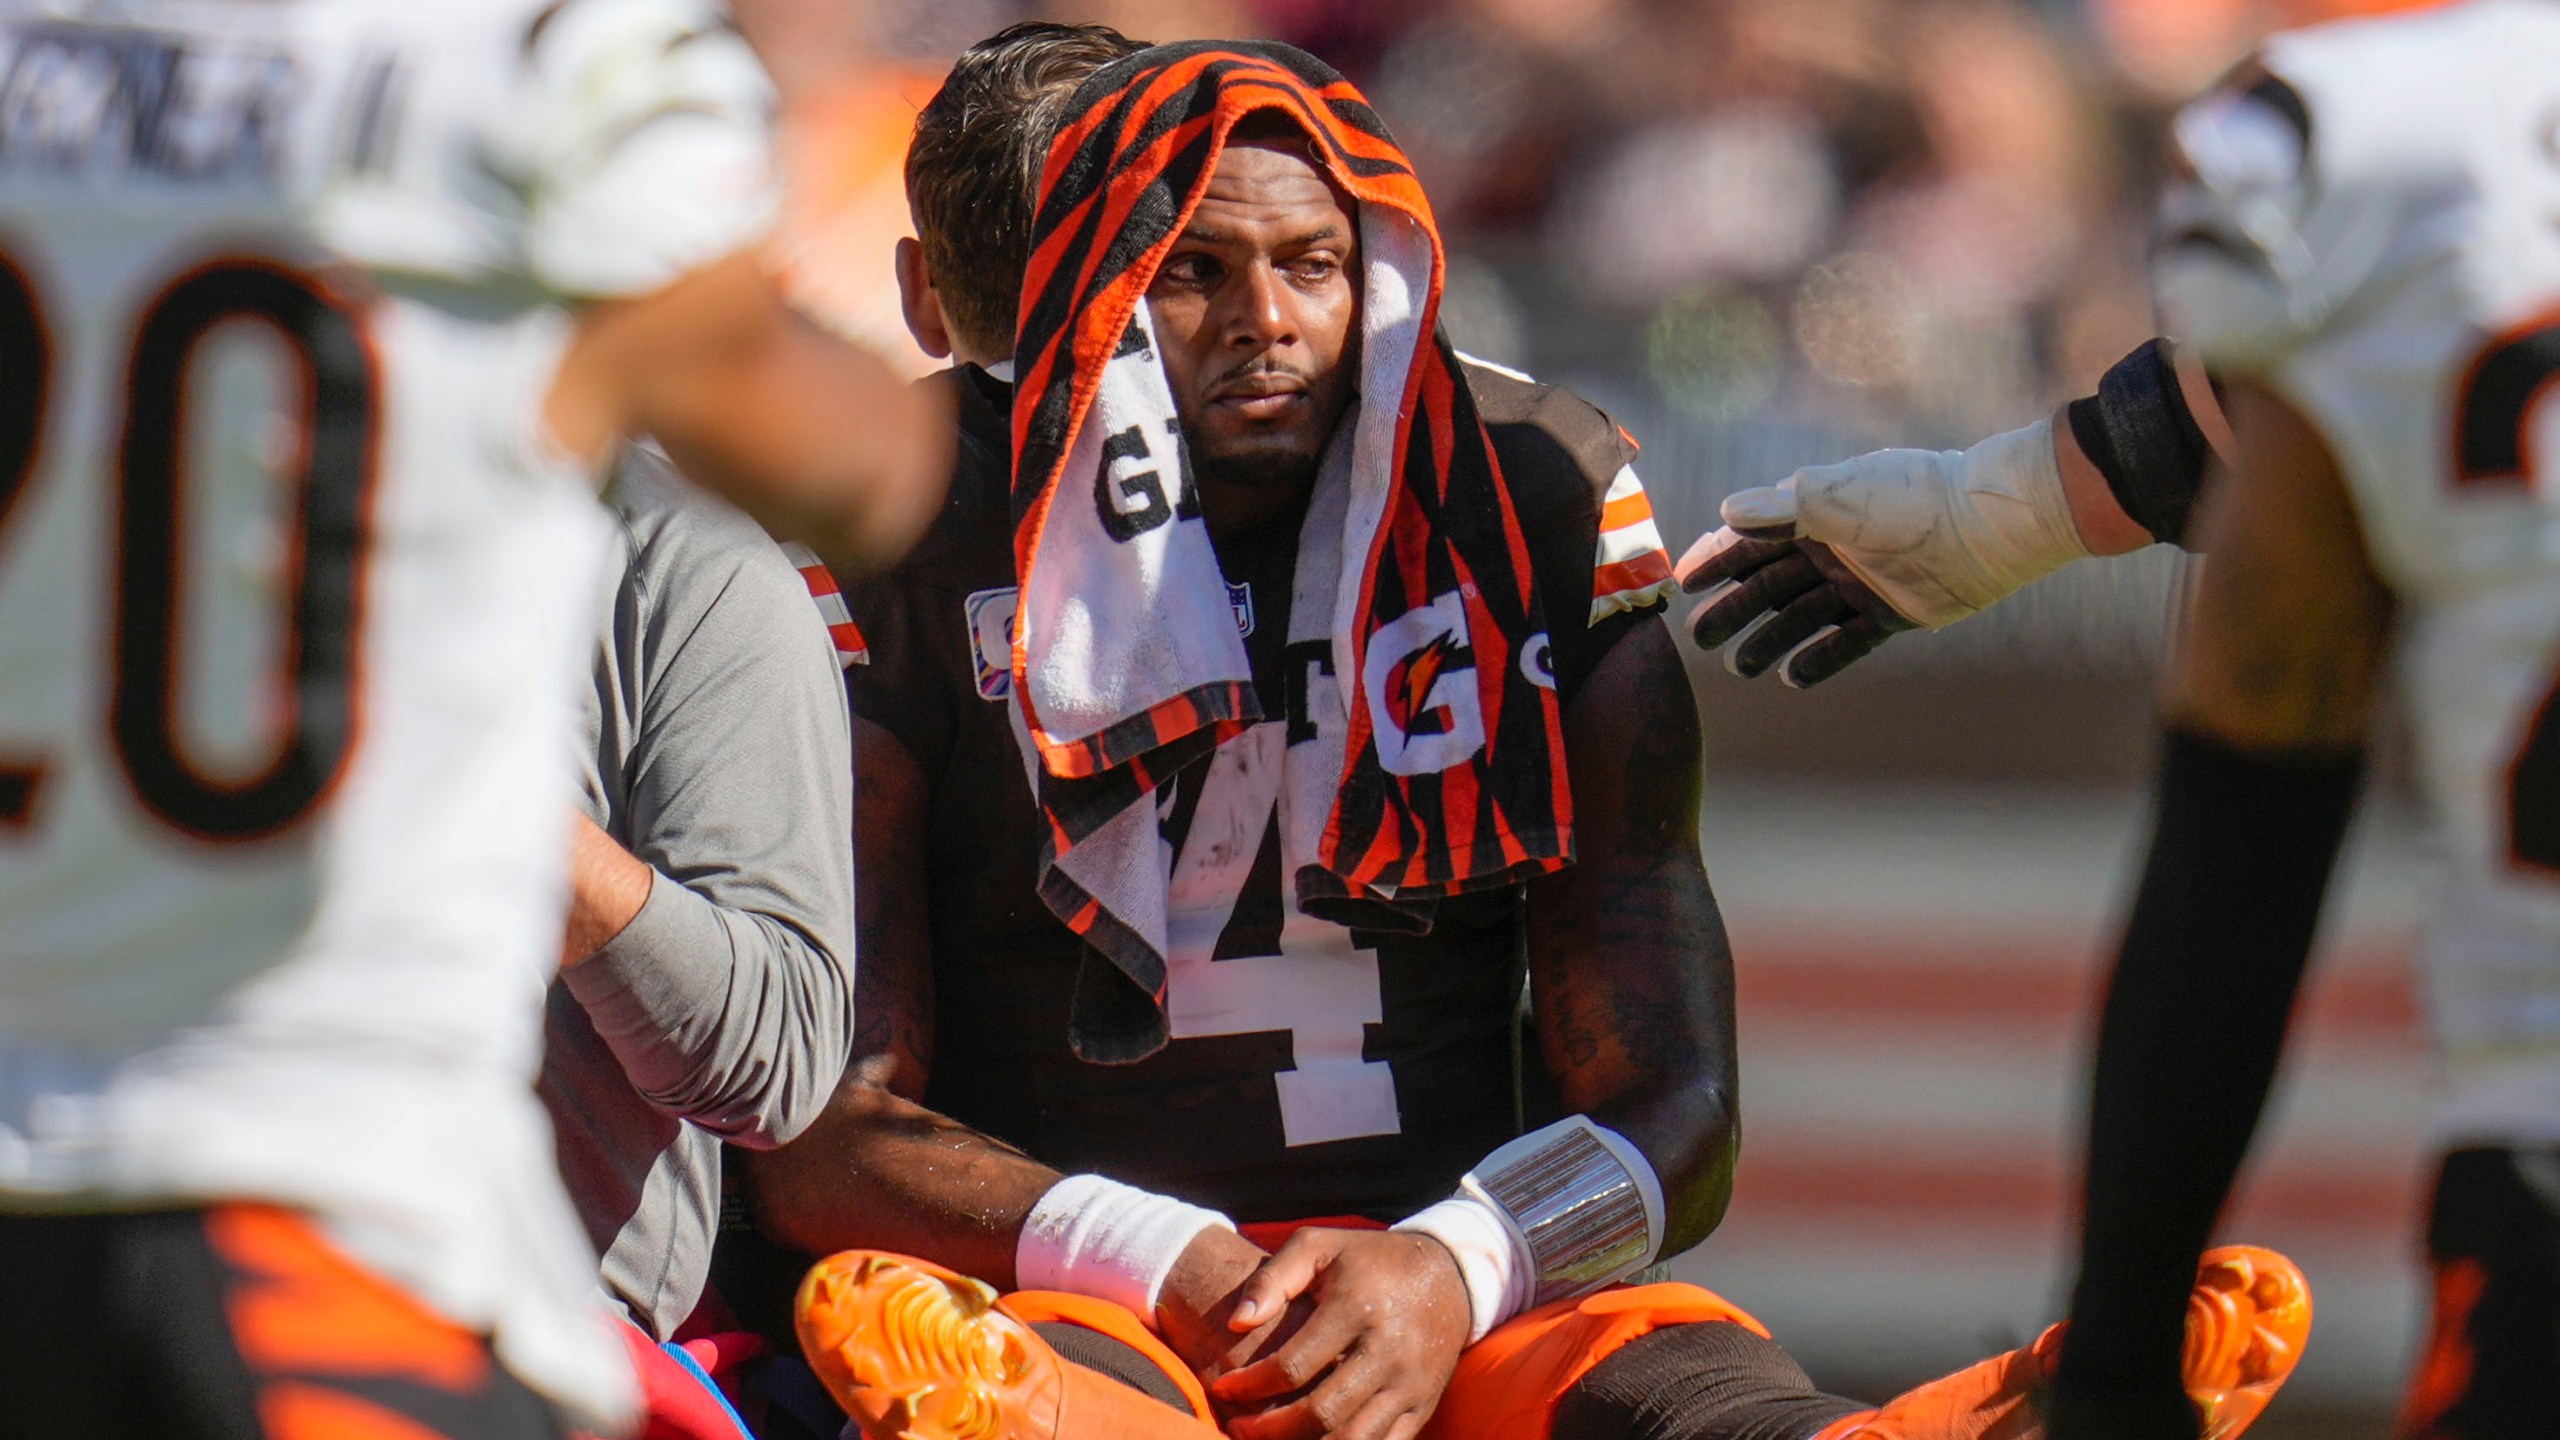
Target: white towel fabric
column 1109, row 628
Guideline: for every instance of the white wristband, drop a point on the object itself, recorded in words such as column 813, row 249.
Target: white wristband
column 1095, row 1236
column 1493, row 1260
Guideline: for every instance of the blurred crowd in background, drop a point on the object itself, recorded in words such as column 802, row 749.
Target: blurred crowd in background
column 1765, row 232
column 1919, row 218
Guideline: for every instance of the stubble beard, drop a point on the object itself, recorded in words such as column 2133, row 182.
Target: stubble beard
column 1259, row 470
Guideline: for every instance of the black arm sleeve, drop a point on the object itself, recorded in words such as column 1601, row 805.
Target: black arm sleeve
column 2195, row 1018
column 2139, row 433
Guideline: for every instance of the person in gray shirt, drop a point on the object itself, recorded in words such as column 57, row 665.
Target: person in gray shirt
column 706, row 989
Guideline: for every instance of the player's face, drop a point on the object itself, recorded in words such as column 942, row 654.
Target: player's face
column 1256, row 309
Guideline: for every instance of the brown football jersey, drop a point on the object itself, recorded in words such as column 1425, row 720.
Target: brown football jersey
column 1421, row 1031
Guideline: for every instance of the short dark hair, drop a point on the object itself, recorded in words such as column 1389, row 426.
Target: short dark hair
column 973, row 170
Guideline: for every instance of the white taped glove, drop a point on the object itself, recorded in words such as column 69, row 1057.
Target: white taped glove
column 1821, row 568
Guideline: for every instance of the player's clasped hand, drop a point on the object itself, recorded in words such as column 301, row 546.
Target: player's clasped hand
column 1772, row 591
column 1373, row 1355
column 1200, row 1297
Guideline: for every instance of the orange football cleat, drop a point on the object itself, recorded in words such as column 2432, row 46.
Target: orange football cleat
column 915, row 1352
column 2247, row 1320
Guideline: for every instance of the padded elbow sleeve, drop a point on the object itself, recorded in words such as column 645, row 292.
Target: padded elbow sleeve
column 2139, row 433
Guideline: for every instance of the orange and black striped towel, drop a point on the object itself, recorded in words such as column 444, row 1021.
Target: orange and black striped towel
column 1437, row 763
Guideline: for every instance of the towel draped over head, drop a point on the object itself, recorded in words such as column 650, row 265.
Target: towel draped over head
column 1430, row 760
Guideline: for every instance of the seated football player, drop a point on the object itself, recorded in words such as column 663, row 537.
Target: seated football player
column 1277, row 688
column 2382, row 337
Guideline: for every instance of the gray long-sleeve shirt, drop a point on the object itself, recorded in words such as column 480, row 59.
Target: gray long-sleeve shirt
column 718, row 752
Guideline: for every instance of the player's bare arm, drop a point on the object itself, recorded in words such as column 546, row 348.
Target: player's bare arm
column 607, row 887
column 816, row 438
column 1631, row 975
column 2268, row 707
column 2291, row 624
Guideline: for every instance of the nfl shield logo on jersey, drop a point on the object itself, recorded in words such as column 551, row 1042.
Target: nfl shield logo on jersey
column 1240, row 600
column 990, row 617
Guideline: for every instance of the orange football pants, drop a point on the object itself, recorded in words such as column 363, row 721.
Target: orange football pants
column 1507, row 1385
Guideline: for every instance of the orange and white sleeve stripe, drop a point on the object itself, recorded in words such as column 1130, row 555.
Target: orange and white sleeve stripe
column 851, row 648
column 1632, row 570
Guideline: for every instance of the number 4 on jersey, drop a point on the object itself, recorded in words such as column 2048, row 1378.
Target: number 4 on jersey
column 1242, row 960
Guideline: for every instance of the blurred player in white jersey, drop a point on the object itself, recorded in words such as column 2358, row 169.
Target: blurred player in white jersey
column 316, row 322
column 2363, row 250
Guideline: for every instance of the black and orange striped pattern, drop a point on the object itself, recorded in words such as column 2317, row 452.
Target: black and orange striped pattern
column 233, row 1321
column 1120, row 183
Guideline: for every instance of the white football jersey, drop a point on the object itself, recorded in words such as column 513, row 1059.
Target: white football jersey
column 293, row 597
column 2373, row 230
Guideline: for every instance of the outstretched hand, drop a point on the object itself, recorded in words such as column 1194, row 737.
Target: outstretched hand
column 1774, row 590
column 1370, row 1357
column 1819, row 569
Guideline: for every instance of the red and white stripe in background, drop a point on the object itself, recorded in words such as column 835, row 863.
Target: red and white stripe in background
column 1918, row 980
